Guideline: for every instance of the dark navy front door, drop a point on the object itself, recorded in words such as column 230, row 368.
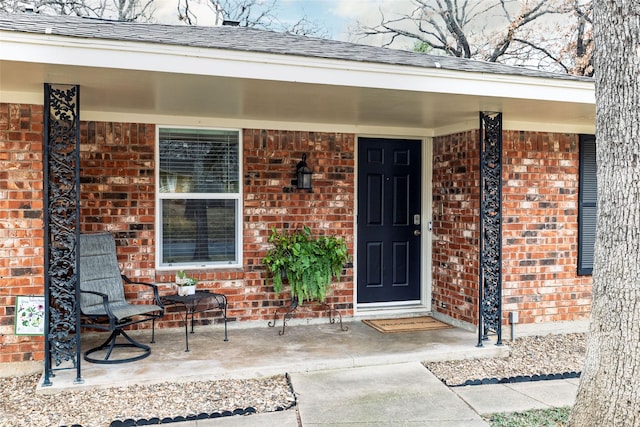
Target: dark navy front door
column 389, row 201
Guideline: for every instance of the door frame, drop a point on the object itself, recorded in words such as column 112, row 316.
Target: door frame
column 424, row 304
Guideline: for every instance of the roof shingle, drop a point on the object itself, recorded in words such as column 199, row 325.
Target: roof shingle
column 252, row 40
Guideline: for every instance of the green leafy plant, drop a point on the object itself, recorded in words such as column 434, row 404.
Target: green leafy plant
column 182, row 279
column 308, row 263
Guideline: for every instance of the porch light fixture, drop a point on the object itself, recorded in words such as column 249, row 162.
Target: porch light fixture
column 304, row 174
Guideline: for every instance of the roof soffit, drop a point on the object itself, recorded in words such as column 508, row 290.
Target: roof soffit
column 285, row 68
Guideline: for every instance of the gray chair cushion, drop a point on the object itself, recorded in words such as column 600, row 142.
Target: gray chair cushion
column 100, row 272
column 121, row 310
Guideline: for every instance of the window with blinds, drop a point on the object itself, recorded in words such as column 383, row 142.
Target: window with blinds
column 198, row 197
column 587, row 204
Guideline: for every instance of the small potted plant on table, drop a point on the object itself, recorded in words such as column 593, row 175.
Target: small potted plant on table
column 186, row 285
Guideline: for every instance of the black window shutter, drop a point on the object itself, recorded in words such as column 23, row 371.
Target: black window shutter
column 587, row 204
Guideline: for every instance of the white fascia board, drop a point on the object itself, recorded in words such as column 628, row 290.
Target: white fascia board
column 263, row 66
column 20, row 97
column 361, row 130
column 240, row 123
column 584, row 128
column 512, row 125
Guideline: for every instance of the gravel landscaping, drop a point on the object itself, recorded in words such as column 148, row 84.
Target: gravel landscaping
column 551, row 354
column 21, row 406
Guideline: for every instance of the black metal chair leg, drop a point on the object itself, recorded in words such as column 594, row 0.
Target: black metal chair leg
column 111, row 343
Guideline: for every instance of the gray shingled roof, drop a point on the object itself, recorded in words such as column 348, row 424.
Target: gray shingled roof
column 251, row 40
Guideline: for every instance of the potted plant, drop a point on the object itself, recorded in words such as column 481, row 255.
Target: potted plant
column 186, row 285
column 308, row 263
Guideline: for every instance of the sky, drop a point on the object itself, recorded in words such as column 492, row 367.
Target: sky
column 334, row 16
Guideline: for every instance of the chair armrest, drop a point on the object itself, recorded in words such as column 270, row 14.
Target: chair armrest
column 105, row 303
column 156, row 294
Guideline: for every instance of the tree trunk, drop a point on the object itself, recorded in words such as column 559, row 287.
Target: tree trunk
column 609, row 391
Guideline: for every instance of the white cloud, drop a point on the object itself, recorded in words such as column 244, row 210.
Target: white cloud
column 366, row 9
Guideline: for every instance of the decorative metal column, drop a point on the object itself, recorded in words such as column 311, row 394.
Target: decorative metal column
column 490, row 285
column 61, row 228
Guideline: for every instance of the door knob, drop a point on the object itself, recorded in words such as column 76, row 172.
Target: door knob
column 417, row 232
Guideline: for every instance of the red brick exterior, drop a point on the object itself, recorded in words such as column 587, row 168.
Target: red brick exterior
column 118, row 195
column 270, row 159
column 456, row 179
column 540, row 196
column 540, row 227
column 21, row 224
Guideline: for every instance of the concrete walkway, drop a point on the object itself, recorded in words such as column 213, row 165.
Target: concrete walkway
column 400, row 395
column 517, row 397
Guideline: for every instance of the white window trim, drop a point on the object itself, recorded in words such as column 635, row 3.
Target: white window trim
column 228, row 196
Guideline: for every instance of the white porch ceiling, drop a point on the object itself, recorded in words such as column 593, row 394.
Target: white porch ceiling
column 111, row 90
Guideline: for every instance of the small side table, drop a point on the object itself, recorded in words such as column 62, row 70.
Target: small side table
column 191, row 304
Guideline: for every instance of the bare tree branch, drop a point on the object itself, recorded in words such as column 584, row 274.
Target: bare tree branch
column 122, row 10
column 545, row 52
column 248, row 13
column 533, row 33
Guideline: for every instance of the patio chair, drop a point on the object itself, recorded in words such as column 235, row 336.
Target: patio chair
column 103, row 305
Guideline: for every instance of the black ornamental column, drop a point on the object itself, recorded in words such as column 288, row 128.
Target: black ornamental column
column 61, row 162
column 490, row 274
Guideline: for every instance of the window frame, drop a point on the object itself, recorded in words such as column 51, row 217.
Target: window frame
column 587, row 167
column 237, row 196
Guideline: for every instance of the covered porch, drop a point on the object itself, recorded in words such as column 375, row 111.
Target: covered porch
column 256, row 350
column 282, row 103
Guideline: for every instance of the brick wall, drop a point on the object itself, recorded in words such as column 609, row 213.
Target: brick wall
column 540, row 227
column 540, row 196
column 21, row 226
column 118, row 195
column 540, row 230
column 117, row 189
column 270, row 159
column 456, row 177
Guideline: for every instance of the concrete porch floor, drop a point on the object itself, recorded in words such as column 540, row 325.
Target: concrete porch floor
column 260, row 351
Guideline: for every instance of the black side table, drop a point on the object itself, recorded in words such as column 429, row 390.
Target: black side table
column 191, row 304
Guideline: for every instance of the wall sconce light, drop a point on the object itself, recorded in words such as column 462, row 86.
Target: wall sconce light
column 304, row 174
